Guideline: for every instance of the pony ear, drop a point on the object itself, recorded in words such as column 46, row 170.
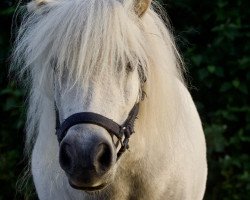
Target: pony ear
column 36, row 4
column 141, row 6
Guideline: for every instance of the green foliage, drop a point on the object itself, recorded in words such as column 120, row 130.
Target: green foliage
column 12, row 114
column 214, row 38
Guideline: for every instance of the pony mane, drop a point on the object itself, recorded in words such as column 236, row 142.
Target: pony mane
column 80, row 38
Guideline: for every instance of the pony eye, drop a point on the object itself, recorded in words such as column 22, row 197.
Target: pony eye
column 129, row 68
column 53, row 64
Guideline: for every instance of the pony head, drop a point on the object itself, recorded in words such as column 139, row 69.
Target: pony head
column 95, row 58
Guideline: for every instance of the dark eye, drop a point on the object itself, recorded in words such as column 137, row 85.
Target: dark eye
column 129, row 67
column 53, row 64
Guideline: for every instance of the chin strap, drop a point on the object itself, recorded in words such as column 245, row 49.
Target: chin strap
column 125, row 130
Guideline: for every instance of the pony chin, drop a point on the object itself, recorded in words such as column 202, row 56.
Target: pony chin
column 104, row 183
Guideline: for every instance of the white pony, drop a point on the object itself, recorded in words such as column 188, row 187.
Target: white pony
column 101, row 56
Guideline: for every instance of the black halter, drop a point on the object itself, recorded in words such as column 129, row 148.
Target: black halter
column 126, row 129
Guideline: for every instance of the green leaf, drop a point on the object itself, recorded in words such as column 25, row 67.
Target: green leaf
column 236, row 83
column 211, row 68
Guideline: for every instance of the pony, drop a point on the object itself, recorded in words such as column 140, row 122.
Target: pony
column 91, row 66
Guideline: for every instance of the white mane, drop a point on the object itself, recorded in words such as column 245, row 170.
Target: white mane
column 82, row 37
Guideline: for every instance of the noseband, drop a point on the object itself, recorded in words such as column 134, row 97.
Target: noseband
column 125, row 130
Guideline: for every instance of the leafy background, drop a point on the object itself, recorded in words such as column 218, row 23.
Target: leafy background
column 214, row 39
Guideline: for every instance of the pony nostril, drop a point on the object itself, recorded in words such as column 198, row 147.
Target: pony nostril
column 103, row 158
column 65, row 159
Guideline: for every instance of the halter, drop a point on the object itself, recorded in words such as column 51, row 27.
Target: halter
column 125, row 130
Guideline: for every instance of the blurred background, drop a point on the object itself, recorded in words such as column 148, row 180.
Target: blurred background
column 214, row 39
